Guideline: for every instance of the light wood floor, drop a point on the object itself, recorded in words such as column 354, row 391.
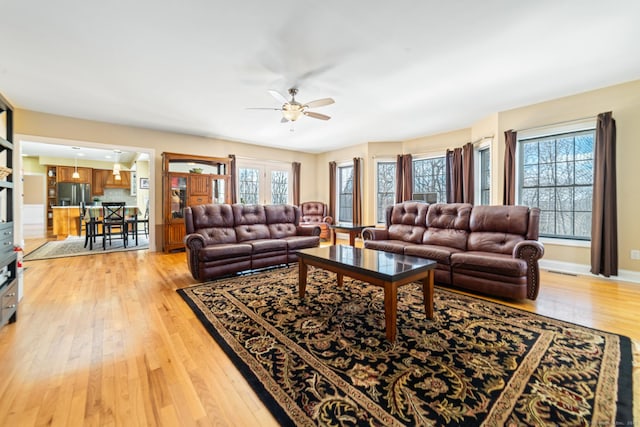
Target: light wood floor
column 106, row 340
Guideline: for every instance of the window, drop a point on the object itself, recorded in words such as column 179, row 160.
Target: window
column 556, row 175
column 429, row 176
column 263, row 183
column 484, row 162
column 385, row 188
column 249, row 184
column 345, row 194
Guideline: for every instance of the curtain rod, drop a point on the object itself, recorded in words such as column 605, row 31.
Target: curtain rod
column 565, row 122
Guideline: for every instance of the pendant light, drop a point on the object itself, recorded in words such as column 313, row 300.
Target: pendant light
column 75, row 174
column 116, row 166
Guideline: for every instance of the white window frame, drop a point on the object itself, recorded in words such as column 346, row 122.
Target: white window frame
column 264, row 185
column 485, row 144
column 540, row 132
column 377, row 161
column 341, row 165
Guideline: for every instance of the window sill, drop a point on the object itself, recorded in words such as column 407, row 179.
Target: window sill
column 566, row 242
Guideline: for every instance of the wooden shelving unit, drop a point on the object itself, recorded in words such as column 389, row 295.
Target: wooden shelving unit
column 8, row 257
column 182, row 186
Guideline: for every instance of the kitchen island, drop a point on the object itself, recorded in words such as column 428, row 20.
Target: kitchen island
column 66, row 221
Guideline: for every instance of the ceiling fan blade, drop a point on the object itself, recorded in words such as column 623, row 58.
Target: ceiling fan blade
column 264, row 108
column 320, row 102
column 316, row 115
column 278, row 96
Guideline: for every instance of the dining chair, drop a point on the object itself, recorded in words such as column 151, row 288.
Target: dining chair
column 92, row 223
column 113, row 222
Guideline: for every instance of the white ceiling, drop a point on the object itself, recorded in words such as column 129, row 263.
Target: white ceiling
column 397, row 69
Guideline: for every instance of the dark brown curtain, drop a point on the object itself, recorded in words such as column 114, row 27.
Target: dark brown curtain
column 357, row 190
column 332, row 190
column 407, row 177
column 467, row 173
column 604, row 219
column 399, row 193
column 509, row 196
column 295, row 166
column 453, row 169
column 232, row 185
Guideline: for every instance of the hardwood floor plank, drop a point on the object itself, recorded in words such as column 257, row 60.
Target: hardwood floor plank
column 106, row 340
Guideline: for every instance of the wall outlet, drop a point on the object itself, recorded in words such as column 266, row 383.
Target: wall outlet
column 635, row 253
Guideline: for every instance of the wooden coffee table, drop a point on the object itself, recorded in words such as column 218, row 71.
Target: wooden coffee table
column 384, row 269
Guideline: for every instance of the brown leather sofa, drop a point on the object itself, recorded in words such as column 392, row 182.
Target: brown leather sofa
column 488, row 249
column 315, row 214
column 223, row 239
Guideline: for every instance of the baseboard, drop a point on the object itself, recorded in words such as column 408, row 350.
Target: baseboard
column 583, row 270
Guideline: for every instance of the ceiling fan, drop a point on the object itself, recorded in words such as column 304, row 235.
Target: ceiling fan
column 292, row 110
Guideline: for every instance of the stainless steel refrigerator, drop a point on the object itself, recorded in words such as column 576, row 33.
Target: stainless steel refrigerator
column 72, row 194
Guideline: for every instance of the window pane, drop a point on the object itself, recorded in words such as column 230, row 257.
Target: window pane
column 429, row 176
column 485, row 176
column 556, row 175
column 530, row 176
column 249, row 180
column 564, row 173
column 386, row 186
column 279, row 187
column 345, row 195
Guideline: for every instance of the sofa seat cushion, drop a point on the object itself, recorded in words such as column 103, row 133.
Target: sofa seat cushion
column 268, row 245
column 282, row 229
column 440, row 254
column 301, row 242
column 489, row 262
column 395, row 246
column 224, row 251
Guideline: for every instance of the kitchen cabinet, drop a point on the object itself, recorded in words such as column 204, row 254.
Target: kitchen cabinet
column 65, row 174
column 184, row 185
column 104, row 178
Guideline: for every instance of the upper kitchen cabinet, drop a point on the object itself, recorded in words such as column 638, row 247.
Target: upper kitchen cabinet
column 65, row 174
column 103, row 178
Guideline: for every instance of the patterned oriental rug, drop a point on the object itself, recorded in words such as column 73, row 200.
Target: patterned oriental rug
column 74, row 246
column 325, row 360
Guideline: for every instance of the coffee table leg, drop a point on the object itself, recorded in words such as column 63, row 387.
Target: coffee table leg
column 352, row 238
column 427, row 294
column 340, row 278
column 390, row 310
column 302, row 277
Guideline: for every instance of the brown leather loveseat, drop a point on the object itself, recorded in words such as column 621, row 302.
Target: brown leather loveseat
column 315, row 214
column 223, row 239
column 488, row 249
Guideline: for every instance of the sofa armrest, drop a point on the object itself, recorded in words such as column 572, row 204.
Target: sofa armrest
column 375, row 234
column 328, row 219
column 530, row 251
column 193, row 243
column 308, row 230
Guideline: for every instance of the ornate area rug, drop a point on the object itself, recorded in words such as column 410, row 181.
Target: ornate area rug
column 74, row 246
column 325, row 360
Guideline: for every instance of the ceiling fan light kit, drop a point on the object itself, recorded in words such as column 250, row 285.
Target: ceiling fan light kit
column 292, row 110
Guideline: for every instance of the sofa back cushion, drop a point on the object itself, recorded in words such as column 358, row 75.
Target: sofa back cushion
column 313, row 211
column 250, row 222
column 448, row 225
column 406, row 221
column 497, row 228
column 282, row 220
column 213, row 221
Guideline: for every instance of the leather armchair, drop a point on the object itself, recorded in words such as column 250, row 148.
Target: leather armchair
column 315, row 214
